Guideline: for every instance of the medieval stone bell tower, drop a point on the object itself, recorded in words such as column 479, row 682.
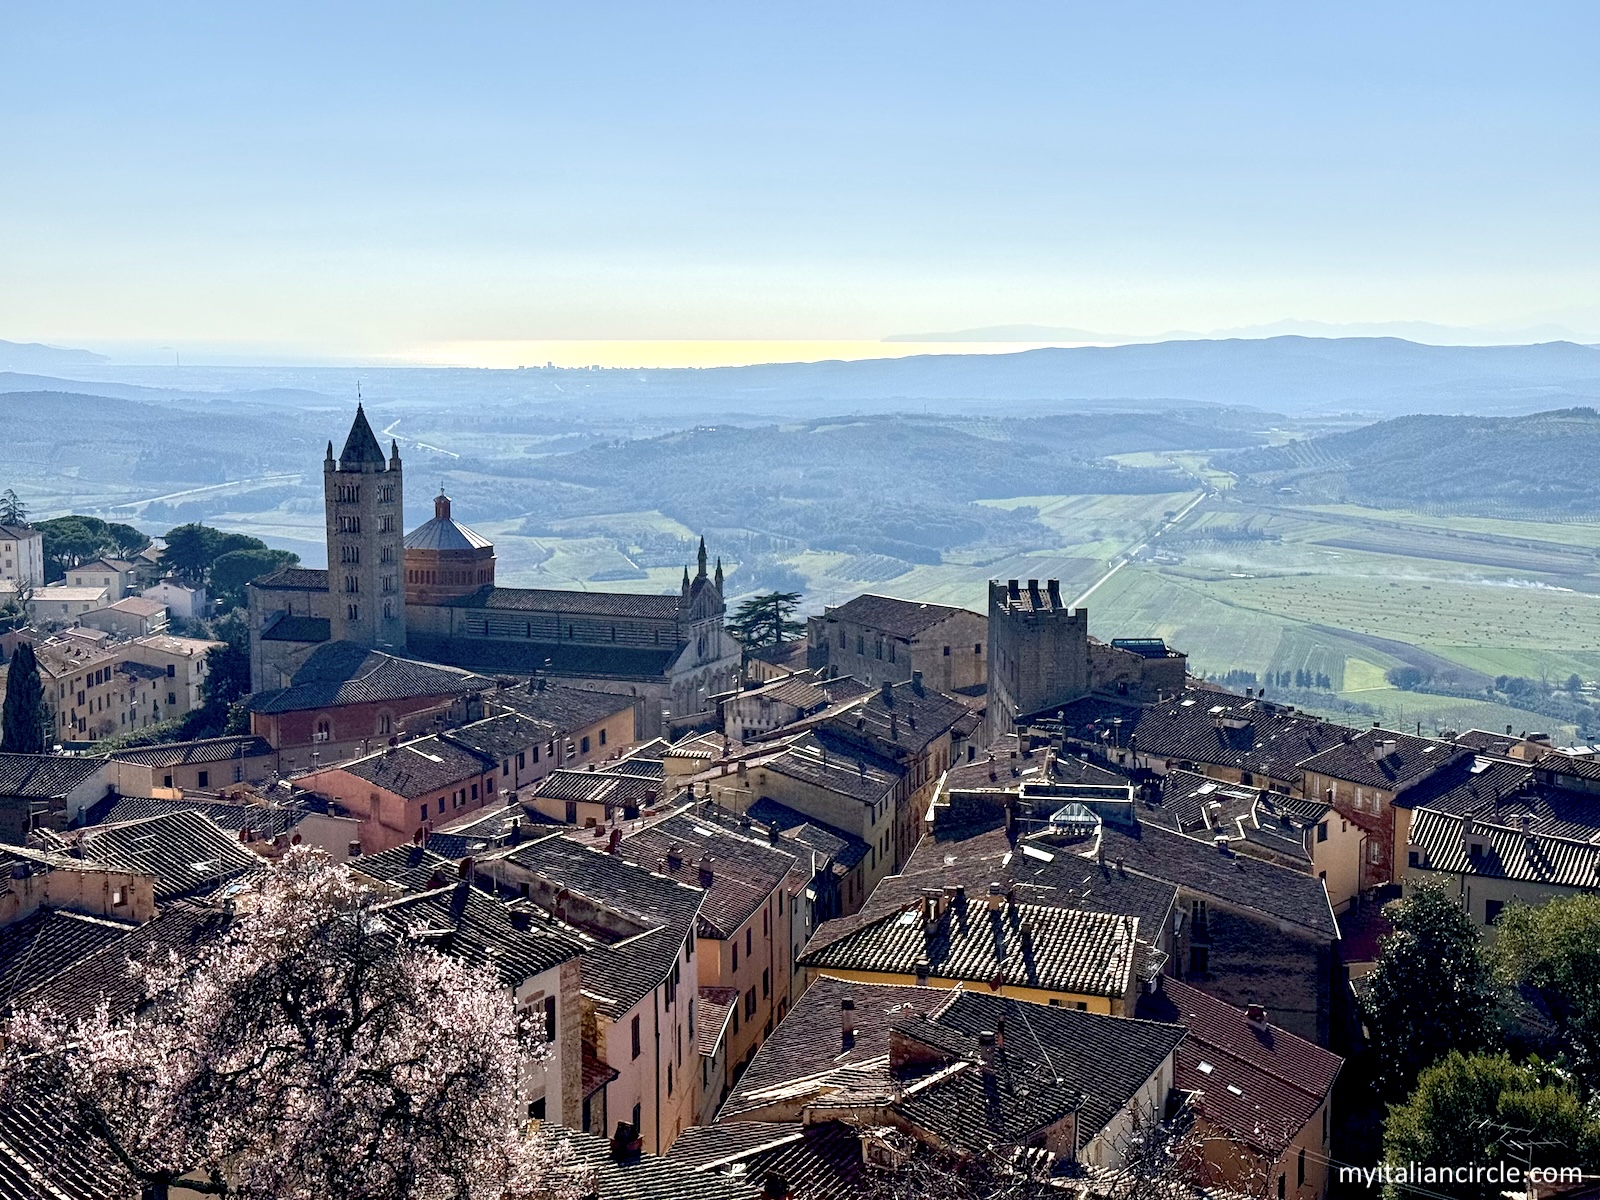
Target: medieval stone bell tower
column 364, row 500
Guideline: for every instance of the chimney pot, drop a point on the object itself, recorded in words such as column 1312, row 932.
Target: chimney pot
column 353, row 850
column 1256, row 1015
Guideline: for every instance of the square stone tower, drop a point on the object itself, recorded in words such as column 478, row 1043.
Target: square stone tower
column 1038, row 652
column 363, row 497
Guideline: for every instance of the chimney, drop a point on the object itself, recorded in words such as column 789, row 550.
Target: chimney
column 706, row 875
column 923, row 969
column 353, row 850
column 894, row 727
column 614, row 846
column 776, row 1187
column 888, row 692
column 916, row 682
column 626, row 1144
column 847, row 1022
column 997, row 897
column 674, row 857
column 1053, row 586
column 1256, row 1015
column 521, row 918
column 1000, row 1034
column 986, row 1050
column 1525, row 824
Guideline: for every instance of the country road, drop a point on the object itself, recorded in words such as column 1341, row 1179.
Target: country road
column 1127, row 555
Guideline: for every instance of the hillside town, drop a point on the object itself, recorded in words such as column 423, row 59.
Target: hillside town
column 912, row 893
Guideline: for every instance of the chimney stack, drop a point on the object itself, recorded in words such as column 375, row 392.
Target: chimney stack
column 353, row 850
column 1256, row 1015
column 706, row 875
column 847, row 1022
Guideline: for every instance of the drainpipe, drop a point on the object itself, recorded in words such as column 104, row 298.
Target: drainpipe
column 655, row 1011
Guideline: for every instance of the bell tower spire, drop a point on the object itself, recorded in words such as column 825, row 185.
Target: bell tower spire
column 702, row 574
column 364, row 505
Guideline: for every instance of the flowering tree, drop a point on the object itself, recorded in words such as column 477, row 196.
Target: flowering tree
column 310, row 1052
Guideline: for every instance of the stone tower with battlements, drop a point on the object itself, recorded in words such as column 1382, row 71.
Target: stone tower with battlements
column 363, row 496
column 1038, row 652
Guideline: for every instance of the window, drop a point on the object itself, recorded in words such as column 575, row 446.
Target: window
column 766, row 983
column 441, row 803
column 118, row 897
column 861, row 644
column 474, row 791
column 549, row 1018
column 669, row 1079
column 1414, row 859
column 766, row 918
column 572, row 812
column 1374, row 852
column 736, row 1018
column 172, row 671
column 172, row 698
column 735, row 946
column 1300, row 1169
column 750, row 1003
column 583, row 745
column 386, row 524
column 522, row 758
column 1282, row 1189
column 166, row 781
column 636, row 1046
column 748, row 941
column 602, row 737
column 638, row 1119
column 947, row 651
column 536, row 1109
column 1491, row 911
column 352, row 612
column 424, row 812
column 1199, row 959
column 1322, row 831
column 205, row 779
column 977, row 649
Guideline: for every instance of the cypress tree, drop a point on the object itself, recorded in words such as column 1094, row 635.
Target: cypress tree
column 22, row 729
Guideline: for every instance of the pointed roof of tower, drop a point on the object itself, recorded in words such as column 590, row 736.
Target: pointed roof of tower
column 362, row 445
column 702, row 558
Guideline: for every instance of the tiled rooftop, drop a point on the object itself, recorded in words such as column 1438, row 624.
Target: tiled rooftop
column 1022, row 945
column 1506, row 853
column 745, row 869
column 184, row 851
column 419, row 768
column 900, row 618
column 616, row 976
column 1261, row 1084
column 44, row 776
column 207, row 750
column 482, row 932
column 1379, row 758
column 1281, row 893
column 345, row 673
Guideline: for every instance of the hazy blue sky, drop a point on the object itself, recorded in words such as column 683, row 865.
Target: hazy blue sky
column 335, row 178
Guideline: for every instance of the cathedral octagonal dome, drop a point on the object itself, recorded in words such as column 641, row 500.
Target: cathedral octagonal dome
column 445, row 533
